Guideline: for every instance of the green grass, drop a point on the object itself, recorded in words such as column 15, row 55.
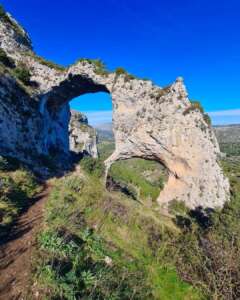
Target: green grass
column 189, row 255
column 46, row 62
column 131, row 234
column 145, row 177
column 142, row 178
column 17, row 187
column 231, row 149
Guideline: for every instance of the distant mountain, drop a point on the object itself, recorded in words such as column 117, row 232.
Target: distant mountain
column 104, row 131
column 228, row 133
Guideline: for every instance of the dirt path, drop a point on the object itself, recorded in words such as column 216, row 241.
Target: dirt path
column 15, row 251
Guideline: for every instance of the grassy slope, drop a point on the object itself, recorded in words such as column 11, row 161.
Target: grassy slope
column 142, row 178
column 132, row 233
column 126, row 231
column 17, row 187
column 128, row 249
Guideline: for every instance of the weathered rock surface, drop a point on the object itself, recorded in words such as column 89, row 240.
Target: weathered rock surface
column 82, row 137
column 148, row 121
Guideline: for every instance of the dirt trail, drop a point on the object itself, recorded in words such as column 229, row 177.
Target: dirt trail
column 15, row 251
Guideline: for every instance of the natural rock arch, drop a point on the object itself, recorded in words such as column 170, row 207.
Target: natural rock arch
column 148, row 122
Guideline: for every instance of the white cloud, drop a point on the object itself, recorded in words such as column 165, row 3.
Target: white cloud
column 98, row 117
column 225, row 117
column 226, row 113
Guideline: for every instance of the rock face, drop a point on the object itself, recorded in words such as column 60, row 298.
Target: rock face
column 82, row 137
column 148, row 122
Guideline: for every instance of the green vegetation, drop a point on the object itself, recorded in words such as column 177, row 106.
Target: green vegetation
column 121, row 71
column 98, row 244
column 100, row 67
column 101, row 245
column 49, row 63
column 196, row 105
column 231, row 149
column 5, row 59
column 17, row 187
column 105, row 149
column 45, row 62
column 23, row 74
column 143, row 179
column 5, row 18
column 207, row 252
column 93, row 166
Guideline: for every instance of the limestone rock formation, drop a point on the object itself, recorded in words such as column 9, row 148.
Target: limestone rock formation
column 82, row 137
column 149, row 122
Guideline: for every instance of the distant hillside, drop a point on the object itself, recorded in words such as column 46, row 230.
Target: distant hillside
column 105, row 131
column 229, row 139
column 224, row 133
column 228, row 133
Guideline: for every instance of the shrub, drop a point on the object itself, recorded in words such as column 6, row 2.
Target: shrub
column 120, row 71
column 49, row 63
column 195, row 105
column 177, row 207
column 4, row 16
column 74, row 183
column 7, row 61
column 207, row 119
column 3, row 164
column 93, row 166
column 16, row 190
column 73, row 267
column 23, row 74
column 100, row 67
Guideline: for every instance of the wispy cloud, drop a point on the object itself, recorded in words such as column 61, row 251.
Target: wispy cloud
column 230, row 112
column 98, row 117
column 223, row 117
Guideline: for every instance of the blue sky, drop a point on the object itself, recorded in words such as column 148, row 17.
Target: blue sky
column 160, row 40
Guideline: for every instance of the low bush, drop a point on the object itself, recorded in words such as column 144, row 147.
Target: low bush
column 120, row 71
column 23, row 74
column 93, row 166
column 3, row 164
column 48, row 63
column 6, row 19
column 75, row 267
column 7, row 61
column 196, row 105
column 16, row 190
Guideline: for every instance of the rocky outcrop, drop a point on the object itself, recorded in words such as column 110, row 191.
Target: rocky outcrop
column 149, row 122
column 82, row 137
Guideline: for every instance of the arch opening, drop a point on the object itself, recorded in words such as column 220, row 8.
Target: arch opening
column 141, row 179
column 90, row 122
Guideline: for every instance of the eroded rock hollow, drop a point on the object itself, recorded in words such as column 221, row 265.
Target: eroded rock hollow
column 149, row 122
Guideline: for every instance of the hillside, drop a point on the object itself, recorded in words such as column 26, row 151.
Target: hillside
column 229, row 138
